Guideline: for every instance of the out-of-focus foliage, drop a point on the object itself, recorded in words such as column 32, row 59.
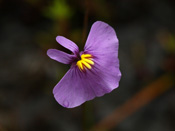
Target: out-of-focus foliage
column 59, row 9
column 167, row 40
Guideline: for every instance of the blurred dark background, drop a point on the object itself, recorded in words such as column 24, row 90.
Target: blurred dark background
column 146, row 32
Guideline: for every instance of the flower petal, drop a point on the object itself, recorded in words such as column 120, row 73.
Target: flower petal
column 76, row 87
column 70, row 91
column 102, row 44
column 67, row 44
column 101, row 37
column 60, row 56
column 109, row 72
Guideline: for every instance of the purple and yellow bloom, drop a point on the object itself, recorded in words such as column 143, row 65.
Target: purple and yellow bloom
column 93, row 72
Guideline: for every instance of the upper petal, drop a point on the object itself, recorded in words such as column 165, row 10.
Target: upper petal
column 60, row 56
column 67, row 44
column 102, row 37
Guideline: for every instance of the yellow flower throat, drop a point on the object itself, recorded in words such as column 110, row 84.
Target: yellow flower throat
column 86, row 62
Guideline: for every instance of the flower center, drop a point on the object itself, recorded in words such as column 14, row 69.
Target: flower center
column 85, row 62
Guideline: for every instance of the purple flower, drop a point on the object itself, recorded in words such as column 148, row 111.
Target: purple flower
column 93, row 72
